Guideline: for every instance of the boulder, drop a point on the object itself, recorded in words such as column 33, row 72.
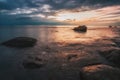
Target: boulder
column 100, row 72
column 70, row 56
column 32, row 62
column 81, row 28
column 117, row 41
column 110, row 26
column 114, row 57
column 32, row 65
column 85, row 59
column 20, row 42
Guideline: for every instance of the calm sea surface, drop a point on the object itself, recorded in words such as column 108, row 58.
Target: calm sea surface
column 46, row 34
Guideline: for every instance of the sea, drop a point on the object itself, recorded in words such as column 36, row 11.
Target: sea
column 11, row 59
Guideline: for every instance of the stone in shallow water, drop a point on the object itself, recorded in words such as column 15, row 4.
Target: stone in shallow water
column 88, row 58
column 32, row 65
column 100, row 72
column 81, row 28
column 20, row 42
column 117, row 41
column 114, row 57
column 70, row 56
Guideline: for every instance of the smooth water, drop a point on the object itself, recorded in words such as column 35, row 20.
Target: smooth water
column 54, row 34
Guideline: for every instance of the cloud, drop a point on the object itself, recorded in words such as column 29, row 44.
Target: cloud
column 56, row 4
column 44, row 11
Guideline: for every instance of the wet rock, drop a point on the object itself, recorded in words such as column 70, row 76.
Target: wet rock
column 114, row 57
column 33, row 62
column 100, row 72
column 81, row 28
column 32, row 65
column 20, row 42
column 70, row 56
column 105, row 51
column 110, row 26
column 117, row 41
column 85, row 59
column 104, row 43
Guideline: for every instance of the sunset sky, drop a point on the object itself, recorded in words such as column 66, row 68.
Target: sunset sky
column 37, row 12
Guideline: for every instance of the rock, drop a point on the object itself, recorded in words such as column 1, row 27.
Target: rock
column 32, row 65
column 86, row 58
column 111, row 54
column 105, row 51
column 20, row 42
column 69, row 57
column 110, row 26
column 117, row 41
column 81, row 28
column 114, row 57
column 34, row 62
column 100, row 72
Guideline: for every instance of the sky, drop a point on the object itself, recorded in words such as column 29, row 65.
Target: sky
column 57, row 12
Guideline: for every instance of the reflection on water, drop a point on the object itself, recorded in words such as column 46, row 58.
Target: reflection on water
column 54, row 34
column 69, row 36
column 11, row 59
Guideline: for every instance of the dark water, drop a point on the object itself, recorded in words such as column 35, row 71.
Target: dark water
column 11, row 59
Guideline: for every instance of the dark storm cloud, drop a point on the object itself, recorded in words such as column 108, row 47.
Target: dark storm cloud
column 24, row 19
column 55, row 4
column 13, row 4
column 20, row 11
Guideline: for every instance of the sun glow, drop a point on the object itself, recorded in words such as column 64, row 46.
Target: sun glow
column 76, row 15
column 104, row 16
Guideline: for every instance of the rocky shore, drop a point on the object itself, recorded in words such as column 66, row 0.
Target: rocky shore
column 96, row 61
column 109, row 49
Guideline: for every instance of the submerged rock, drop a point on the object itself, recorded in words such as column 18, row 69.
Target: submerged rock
column 117, row 41
column 69, row 57
column 32, row 65
column 32, row 62
column 112, row 54
column 81, row 28
column 114, row 57
column 110, row 26
column 100, row 72
column 20, row 42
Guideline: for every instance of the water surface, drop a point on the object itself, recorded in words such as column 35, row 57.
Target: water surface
column 54, row 38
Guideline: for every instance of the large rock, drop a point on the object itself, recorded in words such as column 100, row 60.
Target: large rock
column 114, row 57
column 81, row 28
column 117, row 41
column 105, row 51
column 20, row 42
column 100, row 72
column 32, row 65
column 110, row 26
column 111, row 54
column 33, row 62
column 85, row 59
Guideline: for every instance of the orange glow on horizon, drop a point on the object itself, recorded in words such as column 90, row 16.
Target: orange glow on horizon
column 98, row 16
